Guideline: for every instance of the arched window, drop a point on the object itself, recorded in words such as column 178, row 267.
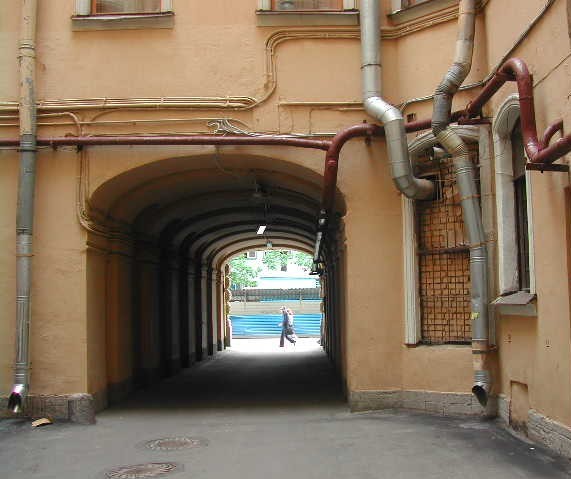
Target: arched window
column 514, row 214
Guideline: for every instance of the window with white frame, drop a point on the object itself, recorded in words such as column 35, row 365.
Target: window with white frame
column 306, row 5
column 122, row 7
column 288, row 5
column 513, row 204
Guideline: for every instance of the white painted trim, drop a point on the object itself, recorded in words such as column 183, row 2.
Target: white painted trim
column 504, row 122
column 264, row 4
column 350, row 5
column 412, row 319
column 396, row 5
column 413, row 332
column 83, row 7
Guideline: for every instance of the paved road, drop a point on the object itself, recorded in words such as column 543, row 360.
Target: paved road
column 260, row 412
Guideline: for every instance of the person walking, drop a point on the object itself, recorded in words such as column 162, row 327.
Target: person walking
column 288, row 331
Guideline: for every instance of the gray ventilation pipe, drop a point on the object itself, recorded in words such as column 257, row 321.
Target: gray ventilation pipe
column 456, row 147
column 25, row 209
column 388, row 115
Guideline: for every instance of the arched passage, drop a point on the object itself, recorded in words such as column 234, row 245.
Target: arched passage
column 156, row 278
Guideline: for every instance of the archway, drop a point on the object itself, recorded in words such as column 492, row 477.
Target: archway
column 156, row 276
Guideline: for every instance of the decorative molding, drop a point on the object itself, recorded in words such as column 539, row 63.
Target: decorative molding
column 270, row 18
column 237, row 102
column 80, row 23
column 504, row 122
column 408, row 14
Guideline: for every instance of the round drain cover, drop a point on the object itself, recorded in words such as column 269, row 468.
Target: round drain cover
column 175, row 443
column 136, row 471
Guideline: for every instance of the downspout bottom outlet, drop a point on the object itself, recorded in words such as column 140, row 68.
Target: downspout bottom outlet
column 16, row 399
column 481, row 391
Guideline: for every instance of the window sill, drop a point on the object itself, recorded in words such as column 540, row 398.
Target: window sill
column 421, row 10
column 275, row 19
column 520, row 303
column 82, row 23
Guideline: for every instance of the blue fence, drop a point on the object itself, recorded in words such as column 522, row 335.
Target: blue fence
column 268, row 325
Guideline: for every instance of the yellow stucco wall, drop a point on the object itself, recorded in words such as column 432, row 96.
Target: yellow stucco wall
column 78, row 309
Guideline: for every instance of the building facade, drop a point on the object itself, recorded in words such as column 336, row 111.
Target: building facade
column 158, row 122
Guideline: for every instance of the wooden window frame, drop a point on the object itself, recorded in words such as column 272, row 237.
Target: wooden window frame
column 301, row 10
column 86, row 8
column 166, row 6
column 343, row 6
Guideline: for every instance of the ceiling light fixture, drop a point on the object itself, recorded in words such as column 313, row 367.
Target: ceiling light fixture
column 261, row 229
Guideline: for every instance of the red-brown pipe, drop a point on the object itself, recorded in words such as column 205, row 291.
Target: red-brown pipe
column 175, row 140
column 332, row 159
column 516, row 70
column 549, row 132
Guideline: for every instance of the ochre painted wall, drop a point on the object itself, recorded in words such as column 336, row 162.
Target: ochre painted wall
column 82, row 308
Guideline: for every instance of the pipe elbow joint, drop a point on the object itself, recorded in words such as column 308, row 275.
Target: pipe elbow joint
column 381, row 110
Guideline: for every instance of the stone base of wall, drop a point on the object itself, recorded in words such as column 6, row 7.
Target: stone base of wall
column 539, row 428
column 551, row 434
column 79, row 408
column 445, row 404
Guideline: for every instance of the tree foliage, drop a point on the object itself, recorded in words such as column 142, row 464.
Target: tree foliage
column 242, row 274
column 303, row 259
column 277, row 259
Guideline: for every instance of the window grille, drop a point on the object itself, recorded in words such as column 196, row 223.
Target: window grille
column 444, row 259
column 306, row 5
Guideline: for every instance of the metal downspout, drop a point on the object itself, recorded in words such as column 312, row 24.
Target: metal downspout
column 387, row 114
column 456, row 147
column 25, row 208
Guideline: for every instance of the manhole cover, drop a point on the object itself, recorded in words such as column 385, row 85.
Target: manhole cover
column 151, row 469
column 175, row 443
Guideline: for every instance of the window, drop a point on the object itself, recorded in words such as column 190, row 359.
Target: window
column 404, row 11
column 307, row 12
column 122, row 14
column 513, row 205
column 443, row 257
column 307, row 5
column 520, row 206
column 107, row 7
column 436, row 253
column 252, row 255
column 514, row 215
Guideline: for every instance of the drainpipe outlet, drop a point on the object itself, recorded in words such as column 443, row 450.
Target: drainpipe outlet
column 481, row 388
column 16, row 399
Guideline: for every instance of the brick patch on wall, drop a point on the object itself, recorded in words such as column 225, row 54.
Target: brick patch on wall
column 444, row 404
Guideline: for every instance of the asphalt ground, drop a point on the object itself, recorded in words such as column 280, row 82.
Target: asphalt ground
column 260, row 411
